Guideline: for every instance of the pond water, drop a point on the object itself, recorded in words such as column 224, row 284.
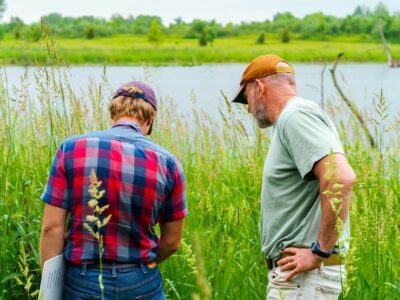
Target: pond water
column 361, row 82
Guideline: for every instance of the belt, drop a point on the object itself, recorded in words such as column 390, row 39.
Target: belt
column 110, row 266
column 333, row 260
column 116, row 266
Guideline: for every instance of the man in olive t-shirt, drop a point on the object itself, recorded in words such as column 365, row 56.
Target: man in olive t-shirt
column 298, row 224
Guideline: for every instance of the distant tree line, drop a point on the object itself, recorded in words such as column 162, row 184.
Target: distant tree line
column 362, row 22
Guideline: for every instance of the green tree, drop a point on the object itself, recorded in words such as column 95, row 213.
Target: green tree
column 142, row 23
column 52, row 18
column 314, row 25
column 206, row 37
column 15, row 26
column 178, row 27
column 32, row 32
column 117, row 22
column 393, row 32
column 196, row 28
column 285, row 20
column 358, row 24
column 204, row 32
column 381, row 10
column 154, row 35
column 362, row 10
column 230, row 29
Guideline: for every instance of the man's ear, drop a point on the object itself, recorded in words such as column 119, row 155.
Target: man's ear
column 150, row 122
column 260, row 88
column 151, row 119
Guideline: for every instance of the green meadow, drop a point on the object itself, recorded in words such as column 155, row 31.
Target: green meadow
column 174, row 50
column 220, row 254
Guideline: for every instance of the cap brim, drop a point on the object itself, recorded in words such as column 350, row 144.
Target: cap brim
column 240, row 98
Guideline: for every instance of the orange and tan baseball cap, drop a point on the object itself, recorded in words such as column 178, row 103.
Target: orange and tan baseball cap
column 261, row 66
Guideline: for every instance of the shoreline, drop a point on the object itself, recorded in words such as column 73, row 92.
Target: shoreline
column 146, row 65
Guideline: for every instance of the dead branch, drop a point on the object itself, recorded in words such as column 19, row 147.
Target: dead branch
column 391, row 61
column 350, row 104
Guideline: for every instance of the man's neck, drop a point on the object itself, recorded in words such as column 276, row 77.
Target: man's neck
column 279, row 104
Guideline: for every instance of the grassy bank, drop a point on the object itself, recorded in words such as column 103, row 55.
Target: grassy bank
column 127, row 50
column 223, row 166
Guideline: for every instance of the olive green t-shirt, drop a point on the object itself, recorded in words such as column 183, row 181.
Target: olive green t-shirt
column 290, row 203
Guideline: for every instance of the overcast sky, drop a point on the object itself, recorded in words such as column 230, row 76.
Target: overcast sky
column 222, row 10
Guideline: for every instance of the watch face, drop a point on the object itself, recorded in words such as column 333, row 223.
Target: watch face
column 314, row 246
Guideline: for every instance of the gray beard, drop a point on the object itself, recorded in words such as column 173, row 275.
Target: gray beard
column 260, row 116
column 262, row 123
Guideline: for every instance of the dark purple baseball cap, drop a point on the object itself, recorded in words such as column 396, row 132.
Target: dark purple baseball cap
column 147, row 95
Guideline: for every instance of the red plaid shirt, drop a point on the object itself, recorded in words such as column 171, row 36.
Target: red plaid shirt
column 144, row 185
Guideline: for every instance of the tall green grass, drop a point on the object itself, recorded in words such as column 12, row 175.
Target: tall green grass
column 223, row 166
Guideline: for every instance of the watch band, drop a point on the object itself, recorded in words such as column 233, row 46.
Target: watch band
column 315, row 248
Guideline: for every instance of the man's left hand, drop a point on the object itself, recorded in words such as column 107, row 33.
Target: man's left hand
column 300, row 260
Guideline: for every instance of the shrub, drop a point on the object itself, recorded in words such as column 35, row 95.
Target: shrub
column 90, row 33
column 261, row 38
column 285, row 36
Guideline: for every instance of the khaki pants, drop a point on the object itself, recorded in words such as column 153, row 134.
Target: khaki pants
column 322, row 283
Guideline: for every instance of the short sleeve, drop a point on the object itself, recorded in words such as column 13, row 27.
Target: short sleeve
column 309, row 137
column 175, row 203
column 56, row 190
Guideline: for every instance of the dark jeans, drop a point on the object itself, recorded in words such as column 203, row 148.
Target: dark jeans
column 139, row 282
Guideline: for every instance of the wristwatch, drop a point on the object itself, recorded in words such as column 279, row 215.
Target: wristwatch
column 315, row 248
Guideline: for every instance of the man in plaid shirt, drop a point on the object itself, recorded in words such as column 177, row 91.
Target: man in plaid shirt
column 144, row 185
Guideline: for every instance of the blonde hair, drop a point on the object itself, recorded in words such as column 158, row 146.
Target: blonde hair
column 137, row 108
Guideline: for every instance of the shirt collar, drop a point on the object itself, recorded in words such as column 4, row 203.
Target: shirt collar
column 128, row 124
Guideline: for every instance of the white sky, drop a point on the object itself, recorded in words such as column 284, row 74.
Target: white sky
column 223, row 11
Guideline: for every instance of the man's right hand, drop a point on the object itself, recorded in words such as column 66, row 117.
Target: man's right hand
column 299, row 260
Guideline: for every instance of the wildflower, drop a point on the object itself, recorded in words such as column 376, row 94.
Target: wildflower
column 100, row 210
column 98, row 224
column 93, row 203
column 94, row 230
column 25, row 279
column 100, row 194
column 106, row 220
column 88, row 228
column 91, row 218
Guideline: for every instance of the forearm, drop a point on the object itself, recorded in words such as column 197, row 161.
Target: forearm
column 328, row 231
column 51, row 243
column 170, row 239
column 164, row 251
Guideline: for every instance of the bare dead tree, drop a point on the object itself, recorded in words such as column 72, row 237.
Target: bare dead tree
column 351, row 105
column 391, row 61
